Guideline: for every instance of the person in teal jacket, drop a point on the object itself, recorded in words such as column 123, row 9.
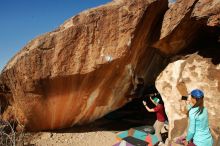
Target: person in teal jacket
column 198, row 130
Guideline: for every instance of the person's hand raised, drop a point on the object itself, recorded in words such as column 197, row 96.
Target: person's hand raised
column 144, row 103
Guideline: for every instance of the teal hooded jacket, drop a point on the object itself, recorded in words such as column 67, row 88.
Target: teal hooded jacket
column 198, row 130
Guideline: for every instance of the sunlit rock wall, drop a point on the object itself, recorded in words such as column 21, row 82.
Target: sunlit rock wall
column 190, row 27
column 180, row 78
column 83, row 69
column 184, row 22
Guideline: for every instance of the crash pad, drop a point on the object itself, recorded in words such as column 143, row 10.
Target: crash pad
column 146, row 129
column 123, row 143
column 135, row 133
column 151, row 139
column 135, row 141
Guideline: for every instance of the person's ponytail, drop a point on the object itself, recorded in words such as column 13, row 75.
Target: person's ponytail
column 200, row 104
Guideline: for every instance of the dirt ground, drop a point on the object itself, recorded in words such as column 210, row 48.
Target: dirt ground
column 100, row 133
column 98, row 138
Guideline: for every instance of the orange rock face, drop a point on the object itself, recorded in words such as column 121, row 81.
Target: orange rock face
column 83, row 70
column 184, row 22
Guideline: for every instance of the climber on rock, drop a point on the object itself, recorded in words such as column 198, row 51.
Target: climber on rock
column 161, row 117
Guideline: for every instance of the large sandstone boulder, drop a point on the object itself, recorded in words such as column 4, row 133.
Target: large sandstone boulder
column 180, row 78
column 184, row 22
column 190, row 26
column 83, row 69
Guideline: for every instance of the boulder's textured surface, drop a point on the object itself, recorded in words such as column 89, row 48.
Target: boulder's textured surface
column 184, row 22
column 190, row 26
column 180, row 78
column 83, row 70
column 208, row 11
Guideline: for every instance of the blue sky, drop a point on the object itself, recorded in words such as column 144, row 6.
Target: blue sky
column 23, row 20
column 172, row 1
